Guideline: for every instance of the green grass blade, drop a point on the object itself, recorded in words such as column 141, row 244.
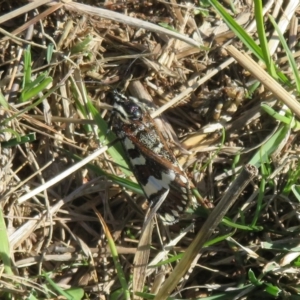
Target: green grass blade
column 43, row 82
column 115, row 256
column 64, row 293
column 105, row 136
column 269, row 147
column 31, row 106
column 126, row 183
column 49, row 53
column 296, row 191
column 273, row 290
column 286, row 119
column 4, row 246
column 238, row 30
column 226, row 221
column 31, row 84
column 288, row 53
column 292, row 180
column 3, row 101
column 27, row 67
column 247, row 39
column 116, row 151
column 258, row 12
column 19, row 140
column 82, row 46
column 259, row 203
column 254, row 280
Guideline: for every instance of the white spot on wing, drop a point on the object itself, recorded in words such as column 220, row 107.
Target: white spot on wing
column 184, row 190
column 128, row 144
column 185, row 197
column 154, row 185
column 179, row 208
column 169, row 219
column 175, row 213
column 138, row 160
column 183, row 179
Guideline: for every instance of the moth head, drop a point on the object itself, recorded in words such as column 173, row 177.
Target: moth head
column 127, row 108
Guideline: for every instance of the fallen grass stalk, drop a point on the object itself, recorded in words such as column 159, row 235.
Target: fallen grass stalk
column 260, row 74
column 111, row 15
column 63, row 175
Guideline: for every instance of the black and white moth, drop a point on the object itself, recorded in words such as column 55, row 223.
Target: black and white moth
column 153, row 163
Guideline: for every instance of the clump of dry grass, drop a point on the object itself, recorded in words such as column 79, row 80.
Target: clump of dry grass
column 71, row 211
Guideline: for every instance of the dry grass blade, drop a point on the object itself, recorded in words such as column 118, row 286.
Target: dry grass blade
column 283, row 24
column 271, row 84
column 34, row 20
column 62, row 175
column 23, row 232
column 141, row 259
column 103, row 13
column 22, row 10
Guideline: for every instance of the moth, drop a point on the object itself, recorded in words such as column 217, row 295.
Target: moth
column 153, row 163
